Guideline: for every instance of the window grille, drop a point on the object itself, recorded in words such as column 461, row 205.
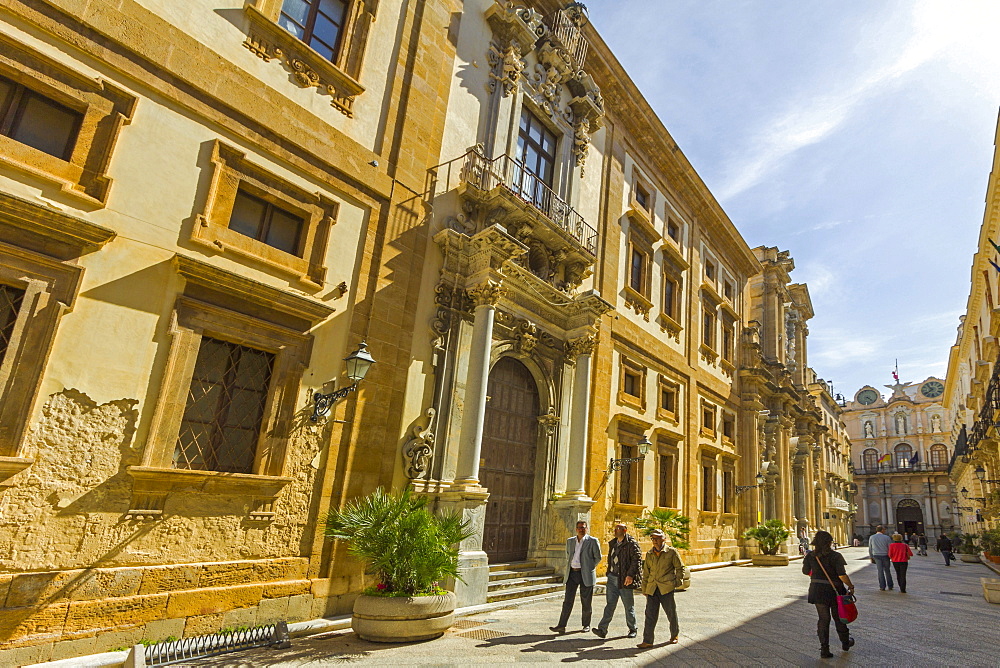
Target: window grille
column 225, row 408
column 10, row 304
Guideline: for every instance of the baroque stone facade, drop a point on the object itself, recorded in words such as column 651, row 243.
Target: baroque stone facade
column 900, row 453
column 972, row 393
column 475, row 189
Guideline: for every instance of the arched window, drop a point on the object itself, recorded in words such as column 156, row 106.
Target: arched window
column 869, row 459
column 939, row 457
column 903, row 454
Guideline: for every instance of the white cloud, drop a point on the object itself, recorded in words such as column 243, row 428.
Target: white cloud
column 814, row 115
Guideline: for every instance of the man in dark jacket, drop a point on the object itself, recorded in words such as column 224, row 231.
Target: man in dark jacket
column 945, row 548
column 624, row 575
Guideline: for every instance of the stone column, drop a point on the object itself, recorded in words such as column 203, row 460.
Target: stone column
column 485, row 296
column 580, row 350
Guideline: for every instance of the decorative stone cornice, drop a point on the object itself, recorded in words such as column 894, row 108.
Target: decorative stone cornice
column 48, row 231
column 268, row 40
column 218, row 280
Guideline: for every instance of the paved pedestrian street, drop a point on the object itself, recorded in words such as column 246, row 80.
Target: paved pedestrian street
column 737, row 616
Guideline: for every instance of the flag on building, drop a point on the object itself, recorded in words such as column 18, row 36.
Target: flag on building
column 884, row 459
column 915, row 459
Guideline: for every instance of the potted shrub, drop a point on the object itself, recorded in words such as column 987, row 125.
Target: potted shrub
column 990, row 542
column 769, row 536
column 677, row 528
column 409, row 551
column 967, row 547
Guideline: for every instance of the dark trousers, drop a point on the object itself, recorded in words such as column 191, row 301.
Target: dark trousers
column 884, row 571
column 900, row 567
column 823, row 625
column 948, row 556
column 653, row 604
column 586, row 597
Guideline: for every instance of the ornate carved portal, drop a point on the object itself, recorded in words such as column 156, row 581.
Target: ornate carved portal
column 510, row 438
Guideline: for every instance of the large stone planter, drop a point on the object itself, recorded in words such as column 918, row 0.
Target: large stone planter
column 769, row 559
column 401, row 619
column 991, row 589
column 970, row 558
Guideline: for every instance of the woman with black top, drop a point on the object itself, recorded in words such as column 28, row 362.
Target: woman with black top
column 823, row 595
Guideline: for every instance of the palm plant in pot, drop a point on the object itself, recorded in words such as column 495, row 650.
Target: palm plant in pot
column 769, row 536
column 409, row 550
column 677, row 528
column 990, row 542
column 968, row 548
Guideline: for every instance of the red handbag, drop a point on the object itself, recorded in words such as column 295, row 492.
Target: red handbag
column 847, row 610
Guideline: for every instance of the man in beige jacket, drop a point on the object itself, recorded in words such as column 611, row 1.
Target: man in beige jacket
column 662, row 571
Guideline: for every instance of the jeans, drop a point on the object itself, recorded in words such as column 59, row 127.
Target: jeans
column 628, row 600
column 922, row 550
column 586, row 596
column 823, row 625
column 948, row 556
column 653, row 604
column 884, row 572
column 900, row 567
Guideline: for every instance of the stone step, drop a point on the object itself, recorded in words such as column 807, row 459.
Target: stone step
column 521, row 592
column 497, row 585
column 520, row 573
column 512, row 565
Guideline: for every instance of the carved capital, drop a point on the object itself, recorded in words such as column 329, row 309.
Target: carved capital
column 487, row 293
column 581, row 346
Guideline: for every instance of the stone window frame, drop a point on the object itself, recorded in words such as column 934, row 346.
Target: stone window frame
column 665, row 384
column 667, row 449
column 709, row 415
column 709, row 485
column 339, row 79
column 729, row 419
column 628, row 437
column 105, row 109
column 728, row 483
column 231, row 172
column 38, row 251
column 229, row 307
column 629, row 366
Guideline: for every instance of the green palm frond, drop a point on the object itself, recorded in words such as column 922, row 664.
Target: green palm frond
column 676, row 526
column 406, row 546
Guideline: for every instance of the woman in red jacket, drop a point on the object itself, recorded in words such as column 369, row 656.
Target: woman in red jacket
column 899, row 555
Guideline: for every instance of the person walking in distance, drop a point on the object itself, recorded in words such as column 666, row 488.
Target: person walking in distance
column 662, row 572
column 828, row 578
column 899, row 555
column 922, row 545
column 624, row 576
column 945, row 548
column 878, row 550
column 583, row 553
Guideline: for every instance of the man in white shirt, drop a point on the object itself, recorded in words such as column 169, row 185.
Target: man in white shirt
column 878, row 550
column 583, row 553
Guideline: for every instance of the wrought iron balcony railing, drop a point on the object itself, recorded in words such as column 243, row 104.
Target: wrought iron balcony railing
column 504, row 172
column 920, row 467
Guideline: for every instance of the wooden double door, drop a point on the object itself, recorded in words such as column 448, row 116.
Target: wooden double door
column 510, row 444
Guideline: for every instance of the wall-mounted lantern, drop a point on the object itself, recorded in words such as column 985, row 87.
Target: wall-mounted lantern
column 356, row 367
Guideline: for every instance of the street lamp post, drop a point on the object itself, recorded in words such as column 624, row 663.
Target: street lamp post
column 981, row 474
column 743, row 488
column 357, row 365
column 619, row 464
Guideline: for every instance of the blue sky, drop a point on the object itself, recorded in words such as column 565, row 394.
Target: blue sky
column 856, row 134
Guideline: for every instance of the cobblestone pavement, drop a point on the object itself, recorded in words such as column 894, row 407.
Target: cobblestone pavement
column 737, row 616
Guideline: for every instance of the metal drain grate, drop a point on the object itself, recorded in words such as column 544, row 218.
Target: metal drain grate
column 467, row 624
column 482, row 634
column 956, row 593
